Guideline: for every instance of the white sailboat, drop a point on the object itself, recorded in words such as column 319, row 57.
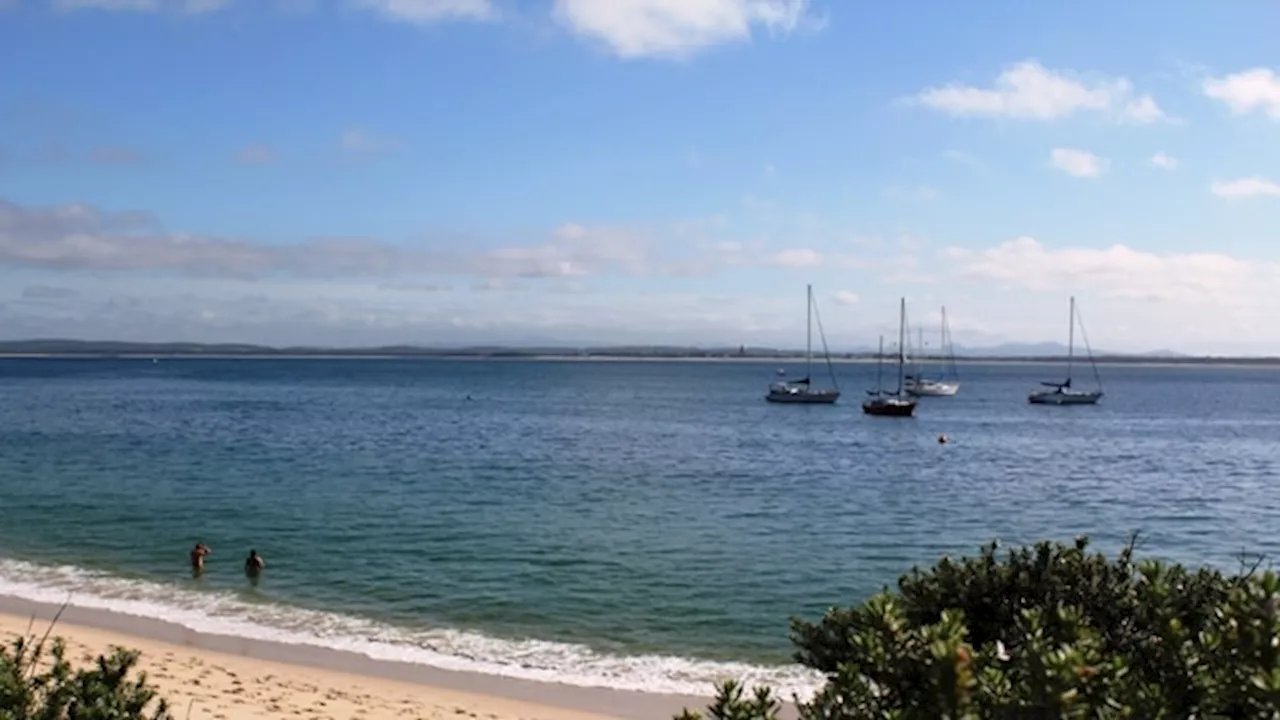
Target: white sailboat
column 946, row 385
column 802, row 391
column 1062, row 393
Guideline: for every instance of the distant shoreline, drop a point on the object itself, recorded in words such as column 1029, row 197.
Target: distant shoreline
column 1134, row 361
column 67, row 348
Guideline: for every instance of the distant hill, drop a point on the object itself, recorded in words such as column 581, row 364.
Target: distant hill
column 1012, row 350
column 1053, row 349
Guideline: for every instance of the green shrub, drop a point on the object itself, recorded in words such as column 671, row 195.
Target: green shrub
column 1049, row 631
column 38, row 683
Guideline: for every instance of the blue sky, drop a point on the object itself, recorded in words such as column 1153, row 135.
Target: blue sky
column 345, row 172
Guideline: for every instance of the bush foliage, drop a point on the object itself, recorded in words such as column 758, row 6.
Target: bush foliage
column 1050, row 631
column 37, row 682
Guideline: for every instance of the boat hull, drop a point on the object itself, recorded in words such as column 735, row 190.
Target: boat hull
column 1064, row 398
column 804, row 397
column 933, row 388
column 889, row 407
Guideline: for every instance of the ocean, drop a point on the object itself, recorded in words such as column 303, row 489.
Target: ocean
column 637, row 525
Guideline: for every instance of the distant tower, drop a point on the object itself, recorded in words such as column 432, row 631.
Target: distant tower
column 742, row 350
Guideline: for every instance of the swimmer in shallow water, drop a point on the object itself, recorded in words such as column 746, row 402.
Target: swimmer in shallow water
column 198, row 554
column 254, row 564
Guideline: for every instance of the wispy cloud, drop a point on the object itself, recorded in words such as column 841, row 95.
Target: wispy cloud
column 1030, row 91
column 187, row 6
column 1164, row 162
column 425, row 12
column 49, row 292
column 357, row 142
column 256, row 154
column 1142, row 111
column 115, row 155
column 81, row 237
column 847, row 297
column 679, row 28
column 1256, row 90
column 1121, row 271
column 1245, row 188
column 798, row 258
column 961, row 157
column 1078, row 163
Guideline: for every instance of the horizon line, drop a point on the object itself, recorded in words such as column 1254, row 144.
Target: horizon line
column 71, row 346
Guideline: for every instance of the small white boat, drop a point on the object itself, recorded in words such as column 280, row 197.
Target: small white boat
column 1061, row 393
column 924, row 387
column 944, row 386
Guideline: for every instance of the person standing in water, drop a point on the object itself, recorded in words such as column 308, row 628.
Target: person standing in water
column 198, row 554
column 254, row 564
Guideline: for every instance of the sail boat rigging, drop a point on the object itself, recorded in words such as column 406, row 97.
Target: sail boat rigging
column 896, row 404
column 1062, row 392
column 802, row 391
column 945, row 385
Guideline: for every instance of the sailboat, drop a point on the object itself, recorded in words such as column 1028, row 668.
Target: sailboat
column 802, row 391
column 1062, row 392
column 948, row 384
column 895, row 404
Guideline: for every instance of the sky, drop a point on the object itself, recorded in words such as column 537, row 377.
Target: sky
column 451, row 172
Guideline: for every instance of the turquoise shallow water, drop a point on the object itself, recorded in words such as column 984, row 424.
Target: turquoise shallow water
column 640, row 525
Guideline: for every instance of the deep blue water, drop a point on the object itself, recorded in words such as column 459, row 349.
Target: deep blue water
column 620, row 523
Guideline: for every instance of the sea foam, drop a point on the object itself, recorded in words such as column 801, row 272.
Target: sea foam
column 223, row 613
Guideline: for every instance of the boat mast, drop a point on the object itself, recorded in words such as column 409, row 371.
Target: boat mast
column 1071, row 339
column 920, row 355
column 808, row 333
column 942, row 341
column 880, row 368
column 902, row 340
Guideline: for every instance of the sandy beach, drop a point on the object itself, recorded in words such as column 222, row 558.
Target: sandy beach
column 207, row 684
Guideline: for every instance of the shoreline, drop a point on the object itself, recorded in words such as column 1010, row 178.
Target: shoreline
column 1208, row 362
column 422, row 689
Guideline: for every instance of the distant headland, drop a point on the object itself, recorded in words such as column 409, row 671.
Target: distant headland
column 1028, row 353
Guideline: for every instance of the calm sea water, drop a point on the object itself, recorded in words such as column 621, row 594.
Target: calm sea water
column 627, row 524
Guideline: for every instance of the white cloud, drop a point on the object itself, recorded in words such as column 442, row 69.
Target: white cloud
column 1245, row 188
column 431, row 11
column 1245, row 92
column 343, row 313
column 798, row 258
column 1029, row 91
column 847, row 297
column 79, row 238
column 678, row 28
column 1119, row 270
column 1078, row 163
column 1203, row 299
column 1164, row 162
column 1142, row 111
